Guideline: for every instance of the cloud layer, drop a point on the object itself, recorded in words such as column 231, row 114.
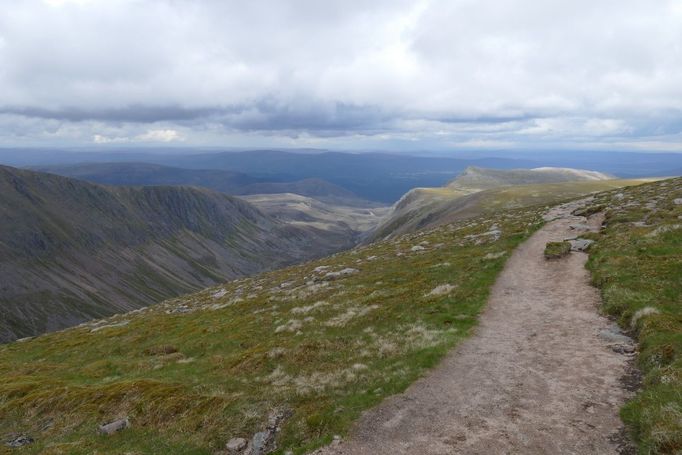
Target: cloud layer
column 440, row 74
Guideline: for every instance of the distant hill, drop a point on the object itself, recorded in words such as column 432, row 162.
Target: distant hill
column 229, row 182
column 477, row 190
column 72, row 251
column 476, row 178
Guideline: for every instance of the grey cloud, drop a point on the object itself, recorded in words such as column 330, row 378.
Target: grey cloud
column 454, row 71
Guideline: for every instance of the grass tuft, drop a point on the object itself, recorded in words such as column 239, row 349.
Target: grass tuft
column 557, row 250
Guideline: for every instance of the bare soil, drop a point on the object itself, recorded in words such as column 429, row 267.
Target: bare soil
column 535, row 378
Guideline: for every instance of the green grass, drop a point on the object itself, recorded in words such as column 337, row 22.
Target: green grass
column 637, row 262
column 556, row 250
column 327, row 350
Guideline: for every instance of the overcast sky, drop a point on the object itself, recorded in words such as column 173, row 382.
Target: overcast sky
column 409, row 75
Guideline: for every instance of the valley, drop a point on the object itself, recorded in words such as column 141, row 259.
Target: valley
column 73, row 251
column 317, row 344
column 293, row 227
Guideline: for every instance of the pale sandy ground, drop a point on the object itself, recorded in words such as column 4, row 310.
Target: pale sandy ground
column 535, row 378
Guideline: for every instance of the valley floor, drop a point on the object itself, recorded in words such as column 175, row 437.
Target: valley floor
column 541, row 374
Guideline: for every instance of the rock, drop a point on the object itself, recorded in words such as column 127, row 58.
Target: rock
column 322, row 268
column 677, row 201
column 264, row 442
column 340, row 274
column 614, row 335
column 19, row 441
column 417, row 248
column 261, row 442
column 580, row 244
column 219, row 294
column 623, row 348
column 115, row 426
column 236, row 446
column 442, row 289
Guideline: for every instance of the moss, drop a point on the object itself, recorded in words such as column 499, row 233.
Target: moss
column 557, row 250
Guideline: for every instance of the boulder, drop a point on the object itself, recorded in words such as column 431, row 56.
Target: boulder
column 580, row 244
column 115, row 426
column 236, row 446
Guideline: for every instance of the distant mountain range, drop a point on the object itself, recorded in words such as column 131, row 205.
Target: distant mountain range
column 71, row 251
column 381, row 177
column 378, row 177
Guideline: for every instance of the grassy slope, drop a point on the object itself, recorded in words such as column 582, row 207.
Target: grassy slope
column 285, row 339
column 429, row 207
column 637, row 262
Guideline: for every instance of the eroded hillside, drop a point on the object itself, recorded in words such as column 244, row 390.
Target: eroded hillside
column 72, row 251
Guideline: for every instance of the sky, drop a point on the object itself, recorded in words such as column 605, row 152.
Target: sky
column 343, row 74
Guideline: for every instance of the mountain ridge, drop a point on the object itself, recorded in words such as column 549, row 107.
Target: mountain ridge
column 72, row 250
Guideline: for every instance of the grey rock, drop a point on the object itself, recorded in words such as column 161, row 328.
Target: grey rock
column 236, row 446
column 581, row 244
column 262, row 442
column 677, row 201
column 265, row 441
column 623, row 348
column 19, row 441
column 340, row 274
column 614, row 335
column 115, row 426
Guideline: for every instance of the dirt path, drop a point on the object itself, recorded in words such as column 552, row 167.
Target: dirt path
column 539, row 376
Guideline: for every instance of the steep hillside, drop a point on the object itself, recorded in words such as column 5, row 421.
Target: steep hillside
column 235, row 183
column 479, row 190
column 307, row 348
column 72, row 251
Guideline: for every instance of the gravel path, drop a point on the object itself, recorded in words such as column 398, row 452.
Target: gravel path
column 539, row 376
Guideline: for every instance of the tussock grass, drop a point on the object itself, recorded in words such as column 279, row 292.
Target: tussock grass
column 637, row 262
column 557, row 250
column 195, row 371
